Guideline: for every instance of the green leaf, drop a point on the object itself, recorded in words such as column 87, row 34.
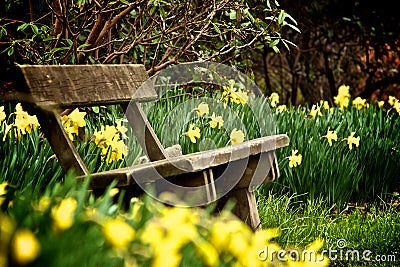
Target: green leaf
column 216, row 28
column 232, row 14
column 35, row 29
column 276, row 49
column 10, row 51
column 281, row 17
column 274, row 43
column 259, row 45
column 22, row 27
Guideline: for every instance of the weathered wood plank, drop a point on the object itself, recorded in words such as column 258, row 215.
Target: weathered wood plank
column 245, row 207
column 83, row 85
column 143, row 131
column 195, row 162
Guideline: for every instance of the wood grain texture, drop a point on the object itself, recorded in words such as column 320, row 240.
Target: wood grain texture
column 143, row 131
column 83, row 85
column 245, row 207
column 196, row 162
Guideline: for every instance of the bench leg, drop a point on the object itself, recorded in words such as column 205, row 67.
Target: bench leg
column 60, row 143
column 245, row 207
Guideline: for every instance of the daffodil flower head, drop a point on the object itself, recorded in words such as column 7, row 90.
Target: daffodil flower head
column 118, row 149
column 118, row 233
column 233, row 94
column 202, row 109
column 239, row 97
column 381, row 103
column 193, row 133
column 207, row 251
column 3, row 188
column 237, row 136
column 3, row 191
column 216, row 121
column 392, row 100
column 280, row 109
column 344, row 90
column 77, row 117
column 24, row 123
column 324, row 104
column 396, row 106
column 343, row 97
column 2, row 114
column 330, row 135
column 73, row 121
column 351, row 140
column 315, row 110
column 25, row 247
column 359, row 103
column 294, row 159
column 63, row 214
column 274, row 99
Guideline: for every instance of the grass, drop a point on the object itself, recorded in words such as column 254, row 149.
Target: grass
column 374, row 227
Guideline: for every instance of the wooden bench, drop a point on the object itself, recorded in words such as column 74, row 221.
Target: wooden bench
column 47, row 90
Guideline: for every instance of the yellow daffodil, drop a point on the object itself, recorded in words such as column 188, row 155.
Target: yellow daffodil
column 330, row 135
column 25, row 247
column 193, row 133
column 3, row 188
column 2, row 114
column 118, row 149
column 343, row 97
column 216, row 121
column 359, row 103
column 324, row 104
column 113, row 192
column 166, row 250
column 108, row 139
column 392, row 100
column 24, row 123
column 315, row 110
column 73, row 121
column 294, row 159
column 351, row 140
column 43, row 204
column 274, row 99
column 237, row 96
column 207, row 252
column 237, row 136
column 3, row 191
column 118, row 233
column 238, row 243
column 381, row 103
column 202, row 109
column 63, row 214
column 77, row 117
column 396, row 106
column 280, row 109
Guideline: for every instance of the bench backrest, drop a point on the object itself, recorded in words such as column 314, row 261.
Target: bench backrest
column 83, row 85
